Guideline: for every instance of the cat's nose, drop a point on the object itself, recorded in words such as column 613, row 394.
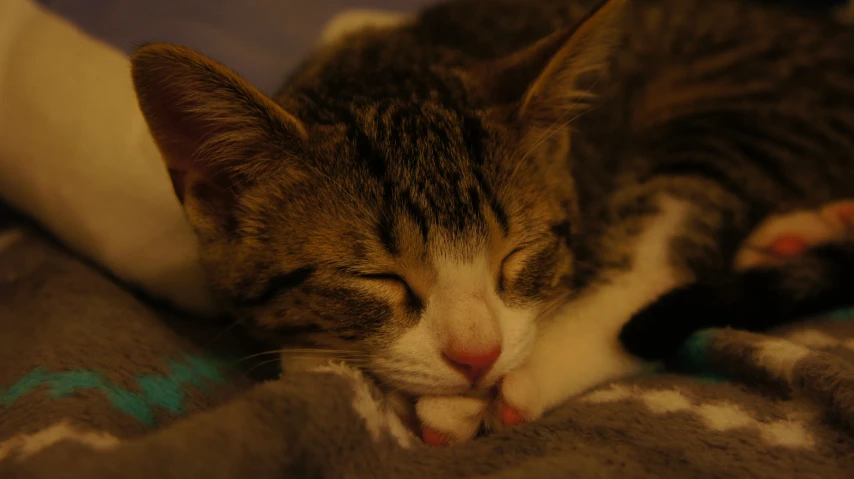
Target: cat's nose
column 472, row 364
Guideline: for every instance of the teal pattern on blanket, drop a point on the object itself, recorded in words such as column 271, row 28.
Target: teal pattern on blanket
column 693, row 355
column 164, row 391
column 841, row 315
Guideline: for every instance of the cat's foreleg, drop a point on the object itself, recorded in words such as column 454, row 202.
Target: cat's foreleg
column 579, row 346
column 446, row 420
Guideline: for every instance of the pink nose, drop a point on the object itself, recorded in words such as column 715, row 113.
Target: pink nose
column 473, row 365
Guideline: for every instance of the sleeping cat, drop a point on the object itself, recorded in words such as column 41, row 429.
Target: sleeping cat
column 481, row 205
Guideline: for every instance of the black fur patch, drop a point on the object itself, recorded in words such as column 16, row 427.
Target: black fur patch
column 753, row 300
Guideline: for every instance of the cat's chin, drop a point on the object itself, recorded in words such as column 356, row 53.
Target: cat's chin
column 430, row 390
column 435, row 389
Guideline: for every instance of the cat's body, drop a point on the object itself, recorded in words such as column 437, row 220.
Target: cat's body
column 452, row 202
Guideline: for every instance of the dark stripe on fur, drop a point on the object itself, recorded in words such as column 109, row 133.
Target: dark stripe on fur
column 563, row 231
column 702, row 169
column 494, row 205
column 276, row 286
column 386, row 234
column 372, row 158
column 474, row 135
column 290, row 331
column 352, row 314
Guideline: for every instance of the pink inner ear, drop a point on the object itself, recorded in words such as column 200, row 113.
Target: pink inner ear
column 189, row 177
column 180, row 134
column 208, row 123
column 179, row 153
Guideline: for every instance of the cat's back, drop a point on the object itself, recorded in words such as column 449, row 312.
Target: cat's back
column 403, row 60
column 408, row 60
column 750, row 94
column 486, row 29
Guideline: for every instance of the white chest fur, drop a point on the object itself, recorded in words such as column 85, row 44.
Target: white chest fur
column 578, row 347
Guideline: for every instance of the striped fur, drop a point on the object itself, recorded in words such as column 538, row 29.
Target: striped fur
column 527, row 140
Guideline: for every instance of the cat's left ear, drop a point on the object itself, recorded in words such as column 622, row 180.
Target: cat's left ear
column 217, row 133
column 552, row 78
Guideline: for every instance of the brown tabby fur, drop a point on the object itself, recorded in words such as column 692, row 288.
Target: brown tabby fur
column 497, row 123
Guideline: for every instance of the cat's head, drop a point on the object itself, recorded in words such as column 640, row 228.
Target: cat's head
column 419, row 237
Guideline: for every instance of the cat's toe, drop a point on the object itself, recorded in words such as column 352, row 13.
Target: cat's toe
column 840, row 215
column 433, row 437
column 447, row 420
column 510, row 416
column 520, row 399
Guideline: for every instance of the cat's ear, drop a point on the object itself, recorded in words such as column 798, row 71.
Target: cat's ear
column 553, row 77
column 217, row 133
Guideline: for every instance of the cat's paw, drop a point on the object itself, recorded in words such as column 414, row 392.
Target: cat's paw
column 447, row 420
column 786, row 236
column 520, row 399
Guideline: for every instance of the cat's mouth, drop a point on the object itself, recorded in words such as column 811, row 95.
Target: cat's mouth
column 429, row 390
column 417, row 386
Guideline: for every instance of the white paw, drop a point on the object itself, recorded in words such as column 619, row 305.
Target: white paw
column 521, row 398
column 785, row 236
column 448, row 420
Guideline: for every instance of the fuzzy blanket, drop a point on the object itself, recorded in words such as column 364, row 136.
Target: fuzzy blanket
column 95, row 384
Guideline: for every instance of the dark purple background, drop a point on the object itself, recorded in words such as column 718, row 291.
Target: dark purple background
column 260, row 39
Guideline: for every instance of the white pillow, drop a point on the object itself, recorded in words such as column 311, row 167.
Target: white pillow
column 75, row 154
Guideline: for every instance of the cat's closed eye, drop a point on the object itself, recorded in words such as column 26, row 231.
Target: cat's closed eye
column 511, row 265
column 393, row 283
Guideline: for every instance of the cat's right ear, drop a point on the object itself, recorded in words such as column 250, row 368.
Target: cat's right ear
column 552, row 78
column 217, row 133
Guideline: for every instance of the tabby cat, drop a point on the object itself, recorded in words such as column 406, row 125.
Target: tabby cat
column 480, row 205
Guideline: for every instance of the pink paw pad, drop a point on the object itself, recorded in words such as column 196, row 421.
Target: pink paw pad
column 788, row 246
column 434, row 437
column 511, row 416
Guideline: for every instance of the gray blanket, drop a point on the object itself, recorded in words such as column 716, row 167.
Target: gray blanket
column 95, row 384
